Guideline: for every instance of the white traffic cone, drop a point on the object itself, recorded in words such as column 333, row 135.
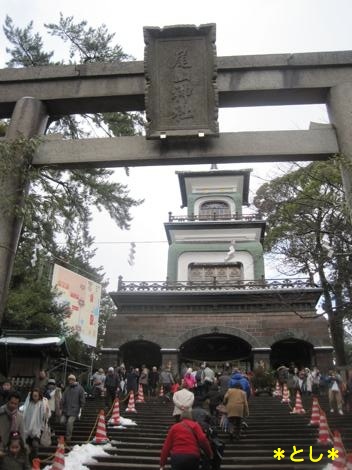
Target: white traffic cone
column 59, row 459
column 340, row 462
column 116, row 418
column 324, row 436
column 131, row 406
column 140, row 398
column 100, row 435
column 315, row 417
column 298, row 408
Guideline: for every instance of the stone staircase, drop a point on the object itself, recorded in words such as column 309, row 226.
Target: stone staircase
column 270, row 426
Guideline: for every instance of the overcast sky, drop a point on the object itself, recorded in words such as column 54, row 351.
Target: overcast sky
column 244, row 27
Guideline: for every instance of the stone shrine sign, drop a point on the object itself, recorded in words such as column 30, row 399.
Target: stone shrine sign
column 180, row 72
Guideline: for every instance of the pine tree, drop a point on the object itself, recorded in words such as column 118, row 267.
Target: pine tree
column 59, row 204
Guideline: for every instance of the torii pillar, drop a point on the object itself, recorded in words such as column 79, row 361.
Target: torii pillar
column 339, row 106
column 29, row 119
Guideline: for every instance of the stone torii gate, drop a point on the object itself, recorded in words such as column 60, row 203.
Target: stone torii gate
column 32, row 96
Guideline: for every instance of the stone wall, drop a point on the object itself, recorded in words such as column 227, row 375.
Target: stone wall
column 259, row 329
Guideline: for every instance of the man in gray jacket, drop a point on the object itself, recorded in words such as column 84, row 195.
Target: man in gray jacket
column 11, row 419
column 73, row 399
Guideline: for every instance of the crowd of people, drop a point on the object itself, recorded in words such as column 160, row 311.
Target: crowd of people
column 203, row 399
column 312, row 382
column 226, row 394
column 198, row 396
column 24, row 427
column 120, row 381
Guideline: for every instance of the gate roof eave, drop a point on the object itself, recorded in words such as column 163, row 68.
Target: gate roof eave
column 284, row 296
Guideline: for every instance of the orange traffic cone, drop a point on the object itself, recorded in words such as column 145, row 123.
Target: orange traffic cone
column 36, row 464
column 324, row 437
column 315, row 418
column 131, row 406
column 59, row 459
column 341, row 461
column 140, row 398
column 278, row 390
column 116, row 418
column 100, row 434
column 161, row 392
column 285, row 395
column 298, row 408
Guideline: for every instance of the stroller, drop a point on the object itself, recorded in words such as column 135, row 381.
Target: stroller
column 218, row 448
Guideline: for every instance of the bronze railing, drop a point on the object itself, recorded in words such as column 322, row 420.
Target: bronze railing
column 214, row 216
column 214, row 285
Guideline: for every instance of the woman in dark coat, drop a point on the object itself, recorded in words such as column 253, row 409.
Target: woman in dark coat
column 132, row 381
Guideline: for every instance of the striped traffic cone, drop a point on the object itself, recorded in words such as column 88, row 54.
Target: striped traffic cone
column 36, row 464
column 315, row 418
column 100, row 434
column 298, row 408
column 140, row 398
column 161, row 392
column 324, row 437
column 116, row 418
column 131, row 406
column 59, row 458
column 285, row 395
column 278, row 390
column 340, row 462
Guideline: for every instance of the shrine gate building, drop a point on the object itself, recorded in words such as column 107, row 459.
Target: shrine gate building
column 216, row 304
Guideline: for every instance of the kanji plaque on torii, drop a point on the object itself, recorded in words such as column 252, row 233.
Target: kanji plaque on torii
column 180, row 72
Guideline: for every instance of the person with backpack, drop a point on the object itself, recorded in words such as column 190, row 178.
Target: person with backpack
column 238, row 378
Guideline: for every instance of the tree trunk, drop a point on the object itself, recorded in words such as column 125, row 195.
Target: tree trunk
column 337, row 337
column 335, row 320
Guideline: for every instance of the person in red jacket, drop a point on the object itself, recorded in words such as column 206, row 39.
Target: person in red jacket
column 183, row 443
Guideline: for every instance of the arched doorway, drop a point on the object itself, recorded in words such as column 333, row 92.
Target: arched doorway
column 291, row 350
column 136, row 353
column 216, row 348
